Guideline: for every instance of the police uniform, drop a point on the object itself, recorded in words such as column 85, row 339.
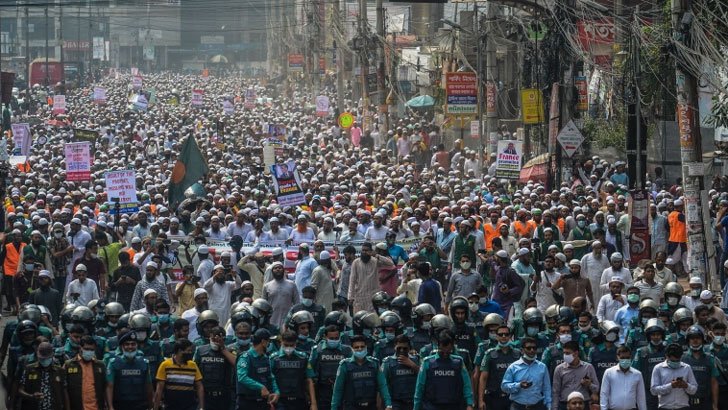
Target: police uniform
column 401, row 382
column 305, row 345
column 431, row 349
column 721, row 363
column 317, row 311
column 602, row 358
column 420, row 338
column 357, row 385
column 636, row 339
column 495, row 362
column 483, row 347
column 383, row 348
column 645, row 360
column 466, row 337
column 166, row 346
column 704, row 370
column 290, row 374
column 130, row 378
column 322, row 368
column 443, row 384
column 253, row 373
column 216, row 377
column 552, row 357
column 151, row 351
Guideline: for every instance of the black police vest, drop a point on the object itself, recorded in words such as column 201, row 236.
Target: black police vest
column 328, row 363
column 384, row 349
column 651, row 358
column 498, row 362
column 290, row 374
column 153, row 353
column 216, row 371
column 403, row 379
column 130, row 379
column 557, row 357
column 361, row 383
column 721, row 359
column 603, row 360
column 701, row 370
column 444, row 383
column 420, row 339
column 465, row 338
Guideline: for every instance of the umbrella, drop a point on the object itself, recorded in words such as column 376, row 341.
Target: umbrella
column 536, row 169
column 219, row 59
column 421, row 101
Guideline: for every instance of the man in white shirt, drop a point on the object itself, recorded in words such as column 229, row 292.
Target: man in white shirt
column 673, row 381
column 204, row 271
column 609, row 304
column 77, row 237
column 220, row 290
column 616, row 270
column 593, row 265
column 82, row 289
column 239, row 227
column 192, row 314
column 622, row 385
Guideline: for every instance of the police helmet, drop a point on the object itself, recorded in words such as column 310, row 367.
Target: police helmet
column 390, row 319
column 608, row 326
column 439, row 323
column 26, row 326
column 674, row 288
column 44, row 311
column 533, row 316
column 82, row 315
column 493, row 319
column 114, row 309
column 420, row 311
column 299, row 318
column 648, row 304
column 566, row 314
column 695, row 331
column 381, row 299
column 244, row 314
column 336, row 318
column 123, row 321
column 92, row 304
column 682, row 315
column 263, row 308
column 31, row 312
column 552, row 312
column 654, row 325
column 458, row 303
column 402, row 305
column 206, row 316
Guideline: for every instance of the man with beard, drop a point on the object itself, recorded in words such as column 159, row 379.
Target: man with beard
column 377, row 232
column 149, row 281
column 38, row 249
column 124, row 280
column 46, row 296
column 321, row 280
column 593, row 265
column 364, row 281
column 220, row 289
column 192, row 314
column 254, row 265
column 216, row 232
column 78, row 238
column 276, row 234
column 96, row 268
column 304, row 267
column 574, row 284
column 142, row 228
column 240, row 227
column 281, row 293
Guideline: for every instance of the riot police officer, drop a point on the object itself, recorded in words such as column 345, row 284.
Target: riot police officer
column 720, row 351
column 216, row 363
column 533, row 320
column 443, row 382
column 554, row 355
column 391, row 327
column 112, row 313
column 682, row 320
column 402, row 306
column 439, row 323
column 180, row 330
column 324, row 363
column 649, row 356
column 84, row 317
column 141, row 325
column 475, row 316
column 704, row 368
column 308, row 294
column 492, row 369
column 358, row 380
column 301, row 323
column 466, row 336
column 128, row 378
column 256, row 386
column 112, row 343
column 381, row 302
column 604, row 354
column 338, row 319
column 635, row 337
column 491, row 323
column 365, row 324
column 673, row 298
column 207, row 321
column 421, row 316
column 262, row 310
column 289, row 368
column 400, row 371
column 243, row 339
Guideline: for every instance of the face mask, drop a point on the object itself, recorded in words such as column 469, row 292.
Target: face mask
column 492, row 335
column 426, row 326
column 473, row 307
column 581, row 224
column 164, row 318
column 360, row 354
column 186, row 357
column 695, row 293
column 654, row 343
column 532, row 331
column 611, row 337
column 307, row 302
column 585, row 328
column 502, row 345
column 632, row 298
column 94, row 255
column 389, row 336
column 719, row 340
column 366, row 332
column 625, row 363
column 482, row 301
column 673, row 364
column 45, row 362
column 529, row 357
column 682, row 332
column 696, row 348
column 645, row 320
column 112, row 325
column 58, row 235
column 287, row 350
column 243, row 342
column 672, row 301
column 568, row 358
column 141, row 336
column 88, row 355
column 465, row 265
column 130, row 355
column 333, row 344
column 302, row 337
column 564, row 338
column 214, row 347
column 29, row 266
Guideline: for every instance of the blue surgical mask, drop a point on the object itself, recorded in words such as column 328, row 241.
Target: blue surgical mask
column 674, row 364
column 45, row 362
column 130, row 355
column 360, row 354
column 88, row 355
column 302, row 337
column 532, row 331
column 366, row 332
column 307, row 302
column 625, row 363
column 389, row 336
column 333, row 344
column 243, row 342
column 287, row 350
column 164, row 318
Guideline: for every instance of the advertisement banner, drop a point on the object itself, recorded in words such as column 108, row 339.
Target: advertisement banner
column 582, row 93
column 59, row 104
column 278, row 131
column 462, row 93
column 508, row 159
column 532, row 106
column 78, row 161
column 121, row 188
column 474, row 130
column 197, row 98
column 99, row 95
column 639, row 211
column 295, row 63
column 287, row 184
column 491, row 103
column 322, row 105
column 21, row 138
column 250, row 97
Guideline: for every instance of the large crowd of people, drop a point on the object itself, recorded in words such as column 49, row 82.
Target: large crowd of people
column 408, row 276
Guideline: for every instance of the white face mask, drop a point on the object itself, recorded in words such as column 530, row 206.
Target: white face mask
column 473, row 307
column 465, row 265
column 719, row 340
column 568, row 358
column 141, row 336
column 564, row 338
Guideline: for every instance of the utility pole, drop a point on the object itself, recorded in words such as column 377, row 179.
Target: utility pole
column 363, row 63
column 60, row 44
column 340, row 66
column 490, row 70
column 27, row 45
column 479, row 76
column 47, row 78
column 690, row 149
column 381, row 73
column 316, row 47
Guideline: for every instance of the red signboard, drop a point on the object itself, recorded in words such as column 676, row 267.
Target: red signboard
column 295, row 62
column 491, row 92
column 462, row 93
column 597, row 31
column 583, row 94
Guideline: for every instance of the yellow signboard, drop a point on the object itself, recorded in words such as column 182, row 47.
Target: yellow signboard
column 532, row 106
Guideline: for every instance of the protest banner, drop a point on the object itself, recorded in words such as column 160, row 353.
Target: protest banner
column 82, row 134
column 140, row 102
column 21, row 138
column 277, row 131
column 250, row 99
column 99, row 96
column 59, row 104
column 228, row 107
column 322, row 105
column 508, row 160
column 78, row 161
column 287, row 184
column 121, row 188
column 136, row 82
column 197, row 98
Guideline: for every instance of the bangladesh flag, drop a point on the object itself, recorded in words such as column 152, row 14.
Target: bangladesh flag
column 188, row 170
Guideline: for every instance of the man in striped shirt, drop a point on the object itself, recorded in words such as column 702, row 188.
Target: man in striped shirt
column 179, row 381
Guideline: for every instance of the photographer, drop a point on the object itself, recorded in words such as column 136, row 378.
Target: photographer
column 185, row 290
column 124, row 280
column 220, row 288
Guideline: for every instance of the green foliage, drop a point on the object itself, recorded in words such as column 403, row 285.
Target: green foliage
column 603, row 133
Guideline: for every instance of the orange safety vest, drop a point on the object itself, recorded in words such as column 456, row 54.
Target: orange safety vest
column 490, row 232
column 524, row 229
column 678, row 230
column 561, row 223
column 12, row 259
